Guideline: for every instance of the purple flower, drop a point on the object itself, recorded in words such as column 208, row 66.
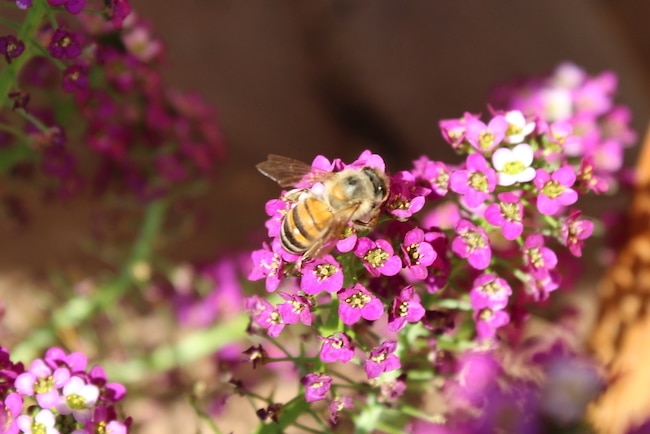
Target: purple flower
column 488, row 321
column 382, row 359
column 406, row 198
column 357, row 302
column 72, row 6
column 11, row 47
column 539, row 258
column 508, row 214
column 483, row 137
column 296, row 309
column 64, row 44
column 406, row 308
column 472, row 244
column 336, row 348
column 321, row 274
column 316, row 386
column 75, row 78
column 111, row 391
column 575, row 231
column 476, row 182
column 490, row 291
column 418, row 254
column 555, row 190
column 378, row 257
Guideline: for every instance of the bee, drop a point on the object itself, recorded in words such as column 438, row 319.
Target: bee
column 317, row 219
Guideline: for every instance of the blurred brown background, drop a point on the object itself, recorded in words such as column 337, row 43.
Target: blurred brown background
column 337, row 76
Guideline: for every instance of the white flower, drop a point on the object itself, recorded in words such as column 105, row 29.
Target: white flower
column 518, row 128
column 79, row 399
column 43, row 422
column 513, row 165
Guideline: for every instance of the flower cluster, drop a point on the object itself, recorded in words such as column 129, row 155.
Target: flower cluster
column 116, row 125
column 458, row 254
column 58, row 394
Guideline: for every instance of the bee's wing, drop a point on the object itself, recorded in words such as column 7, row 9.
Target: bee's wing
column 288, row 172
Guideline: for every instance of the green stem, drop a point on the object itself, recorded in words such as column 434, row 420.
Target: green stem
column 27, row 31
column 71, row 314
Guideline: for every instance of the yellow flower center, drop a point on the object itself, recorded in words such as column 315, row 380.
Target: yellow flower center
column 510, row 211
column 478, row 181
column 358, row 300
column 323, row 271
column 376, row 257
column 513, row 167
column 553, row 189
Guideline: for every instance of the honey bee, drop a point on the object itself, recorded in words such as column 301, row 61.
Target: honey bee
column 317, row 220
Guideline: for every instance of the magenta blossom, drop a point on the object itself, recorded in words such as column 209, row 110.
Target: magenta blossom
column 336, row 348
column 555, row 189
column 538, row 257
column 575, row 231
column 382, row 359
column 321, row 274
column 42, row 382
column 378, row 257
column 472, row 244
column 476, row 182
column 337, row 405
column 507, row 213
column 435, row 174
column 316, row 386
column 65, row 44
column 490, row 291
column 267, row 264
column 418, row 254
column 488, row 321
column 357, row 302
column 296, row 309
column 484, row 138
column 406, row 198
column 406, row 308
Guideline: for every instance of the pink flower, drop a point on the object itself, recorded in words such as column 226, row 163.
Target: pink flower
column 406, row 308
column 42, row 382
column 483, row 137
column 490, row 291
column 267, row 264
column 434, row 173
column 406, row 198
column 488, row 321
column 357, row 302
column 378, row 257
column 508, row 214
column 296, row 309
column 539, row 258
column 555, row 189
column 382, row 359
column 321, row 274
column 418, row 254
column 574, row 231
column 476, row 182
column 472, row 244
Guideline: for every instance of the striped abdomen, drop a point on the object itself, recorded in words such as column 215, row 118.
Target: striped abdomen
column 305, row 224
